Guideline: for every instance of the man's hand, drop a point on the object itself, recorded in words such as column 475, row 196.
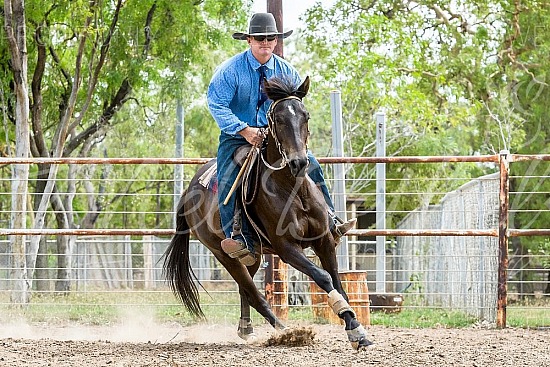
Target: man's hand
column 253, row 135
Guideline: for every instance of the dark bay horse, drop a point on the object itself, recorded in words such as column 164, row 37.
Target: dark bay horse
column 287, row 208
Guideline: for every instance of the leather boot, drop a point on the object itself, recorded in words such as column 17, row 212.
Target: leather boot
column 343, row 228
column 236, row 248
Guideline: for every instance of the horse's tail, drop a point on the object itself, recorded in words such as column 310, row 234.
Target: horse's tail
column 177, row 267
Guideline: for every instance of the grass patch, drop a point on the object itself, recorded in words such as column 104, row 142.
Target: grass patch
column 423, row 318
column 529, row 312
column 109, row 307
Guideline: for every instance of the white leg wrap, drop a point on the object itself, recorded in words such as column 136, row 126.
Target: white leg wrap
column 338, row 304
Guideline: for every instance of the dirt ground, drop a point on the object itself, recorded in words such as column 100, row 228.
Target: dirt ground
column 218, row 345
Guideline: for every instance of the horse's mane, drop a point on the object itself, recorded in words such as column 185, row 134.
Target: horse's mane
column 280, row 87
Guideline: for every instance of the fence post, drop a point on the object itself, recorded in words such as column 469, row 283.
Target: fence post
column 178, row 168
column 339, row 186
column 502, row 291
column 148, row 266
column 380, row 202
column 276, row 285
column 128, row 265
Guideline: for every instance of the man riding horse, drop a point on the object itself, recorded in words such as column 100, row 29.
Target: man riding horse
column 286, row 208
column 239, row 105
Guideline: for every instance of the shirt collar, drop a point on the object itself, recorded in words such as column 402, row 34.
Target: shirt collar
column 256, row 64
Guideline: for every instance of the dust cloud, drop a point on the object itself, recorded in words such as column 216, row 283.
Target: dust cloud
column 133, row 326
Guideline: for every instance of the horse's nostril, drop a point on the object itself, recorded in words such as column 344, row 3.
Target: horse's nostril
column 298, row 167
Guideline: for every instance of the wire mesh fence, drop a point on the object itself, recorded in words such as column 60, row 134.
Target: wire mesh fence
column 455, row 272
column 446, row 272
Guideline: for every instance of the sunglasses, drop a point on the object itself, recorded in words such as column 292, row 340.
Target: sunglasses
column 262, row 38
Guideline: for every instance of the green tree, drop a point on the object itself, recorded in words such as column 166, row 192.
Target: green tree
column 454, row 78
column 527, row 44
column 14, row 25
column 89, row 61
column 433, row 67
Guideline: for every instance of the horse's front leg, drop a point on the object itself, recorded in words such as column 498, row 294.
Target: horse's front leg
column 357, row 335
column 338, row 299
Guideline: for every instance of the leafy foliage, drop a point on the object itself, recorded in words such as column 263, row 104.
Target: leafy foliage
column 454, row 78
column 130, row 62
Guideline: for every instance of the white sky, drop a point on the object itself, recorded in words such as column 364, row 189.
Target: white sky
column 292, row 10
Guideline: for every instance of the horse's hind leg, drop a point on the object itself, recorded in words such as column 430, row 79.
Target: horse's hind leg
column 245, row 329
column 249, row 291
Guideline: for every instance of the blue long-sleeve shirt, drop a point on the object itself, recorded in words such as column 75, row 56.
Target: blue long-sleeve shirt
column 234, row 91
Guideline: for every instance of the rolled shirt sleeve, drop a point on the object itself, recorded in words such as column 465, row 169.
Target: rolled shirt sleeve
column 221, row 92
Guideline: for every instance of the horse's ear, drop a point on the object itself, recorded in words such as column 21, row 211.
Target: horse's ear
column 303, row 89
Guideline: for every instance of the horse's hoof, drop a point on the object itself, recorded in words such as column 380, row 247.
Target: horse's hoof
column 245, row 331
column 362, row 344
column 247, row 334
column 249, row 338
column 358, row 338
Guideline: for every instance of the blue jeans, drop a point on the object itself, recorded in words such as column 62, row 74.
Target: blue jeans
column 315, row 172
column 227, row 174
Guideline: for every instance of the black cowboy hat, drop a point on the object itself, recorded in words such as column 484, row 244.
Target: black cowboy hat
column 261, row 24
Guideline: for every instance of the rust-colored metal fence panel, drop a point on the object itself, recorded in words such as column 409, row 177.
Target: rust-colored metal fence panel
column 463, row 263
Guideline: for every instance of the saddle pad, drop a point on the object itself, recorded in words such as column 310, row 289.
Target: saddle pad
column 209, row 178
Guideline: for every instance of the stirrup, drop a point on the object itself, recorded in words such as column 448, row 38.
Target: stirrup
column 238, row 249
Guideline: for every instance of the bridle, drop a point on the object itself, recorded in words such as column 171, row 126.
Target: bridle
column 271, row 129
column 284, row 162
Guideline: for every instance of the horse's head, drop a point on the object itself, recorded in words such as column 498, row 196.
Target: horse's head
column 288, row 122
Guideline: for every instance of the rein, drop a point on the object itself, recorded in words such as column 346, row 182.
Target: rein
column 249, row 175
column 271, row 129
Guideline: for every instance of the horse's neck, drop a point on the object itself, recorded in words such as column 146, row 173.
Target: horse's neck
column 301, row 190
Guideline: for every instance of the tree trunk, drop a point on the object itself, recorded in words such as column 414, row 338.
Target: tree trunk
column 66, row 127
column 64, row 248
column 42, row 272
column 14, row 23
column 64, row 268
